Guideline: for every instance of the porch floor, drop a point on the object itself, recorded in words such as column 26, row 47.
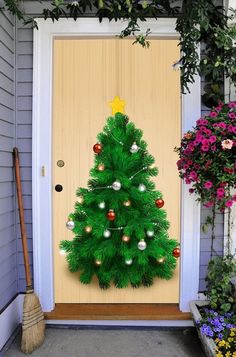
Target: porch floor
column 116, row 342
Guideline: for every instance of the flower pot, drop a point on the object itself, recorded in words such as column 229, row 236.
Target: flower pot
column 208, row 344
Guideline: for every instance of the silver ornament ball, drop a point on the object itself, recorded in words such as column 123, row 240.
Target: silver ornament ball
column 142, row 245
column 102, row 205
column 70, row 225
column 150, row 233
column 106, row 233
column 142, row 187
column 128, row 261
column 116, row 185
column 134, row 148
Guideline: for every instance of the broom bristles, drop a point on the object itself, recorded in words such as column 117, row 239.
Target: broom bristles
column 33, row 325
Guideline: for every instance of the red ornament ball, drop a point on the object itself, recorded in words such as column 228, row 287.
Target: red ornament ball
column 176, row 253
column 111, row 216
column 97, row 148
column 159, row 203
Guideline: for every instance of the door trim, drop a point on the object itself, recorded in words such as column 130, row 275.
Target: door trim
column 42, row 152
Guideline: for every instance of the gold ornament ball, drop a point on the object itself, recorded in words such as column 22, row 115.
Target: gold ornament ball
column 88, row 229
column 98, row 262
column 80, row 199
column 101, row 167
column 125, row 239
column 127, row 203
column 161, row 260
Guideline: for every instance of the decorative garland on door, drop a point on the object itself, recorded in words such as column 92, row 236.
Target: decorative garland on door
column 198, row 21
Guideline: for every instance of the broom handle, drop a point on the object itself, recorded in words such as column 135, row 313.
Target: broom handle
column 22, row 219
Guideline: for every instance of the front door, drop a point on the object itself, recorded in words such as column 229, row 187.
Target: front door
column 88, row 74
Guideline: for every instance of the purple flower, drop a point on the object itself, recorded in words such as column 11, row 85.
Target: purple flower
column 220, row 336
column 211, row 333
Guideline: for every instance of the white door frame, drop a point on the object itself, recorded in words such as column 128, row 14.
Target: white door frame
column 42, row 153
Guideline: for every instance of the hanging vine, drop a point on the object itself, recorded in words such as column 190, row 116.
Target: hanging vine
column 198, row 21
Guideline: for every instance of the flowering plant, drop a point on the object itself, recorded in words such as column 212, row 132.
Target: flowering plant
column 215, row 325
column 207, row 157
column 227, row 346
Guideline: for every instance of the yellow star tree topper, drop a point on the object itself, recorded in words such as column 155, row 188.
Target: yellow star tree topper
column 117, row 105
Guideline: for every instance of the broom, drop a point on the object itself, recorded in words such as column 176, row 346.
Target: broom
column 33, row 326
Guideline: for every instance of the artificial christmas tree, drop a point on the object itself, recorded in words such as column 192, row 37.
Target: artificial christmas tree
column 119, row 225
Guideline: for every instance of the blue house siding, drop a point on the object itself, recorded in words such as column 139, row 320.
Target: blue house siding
column 205, row 243
column 24, row 65
column 8, row 242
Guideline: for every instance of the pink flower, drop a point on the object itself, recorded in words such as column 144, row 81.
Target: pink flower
column 193, row 175
column 234, row 130
column 220, row 191
column 232, row 115
column 234, row 198
column 227, row 144
column 213, row 114
column 202, row 121
column 218, row 108
column 213, row 148
column 208, row 131
column 232, row 105
column 205, row 148
column 209, row 204
column 205, row 142
column 208, row 184
column 229, row 203
column 212, row 139
column 231, row 128
column 222, row 125
column 191, row 146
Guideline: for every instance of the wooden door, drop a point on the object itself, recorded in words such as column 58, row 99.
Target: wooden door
column 88, row 74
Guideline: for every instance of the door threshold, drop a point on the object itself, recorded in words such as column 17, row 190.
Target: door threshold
column 74, row 311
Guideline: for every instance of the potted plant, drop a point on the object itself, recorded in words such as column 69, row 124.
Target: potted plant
column 207, row 162
column 215, row 318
